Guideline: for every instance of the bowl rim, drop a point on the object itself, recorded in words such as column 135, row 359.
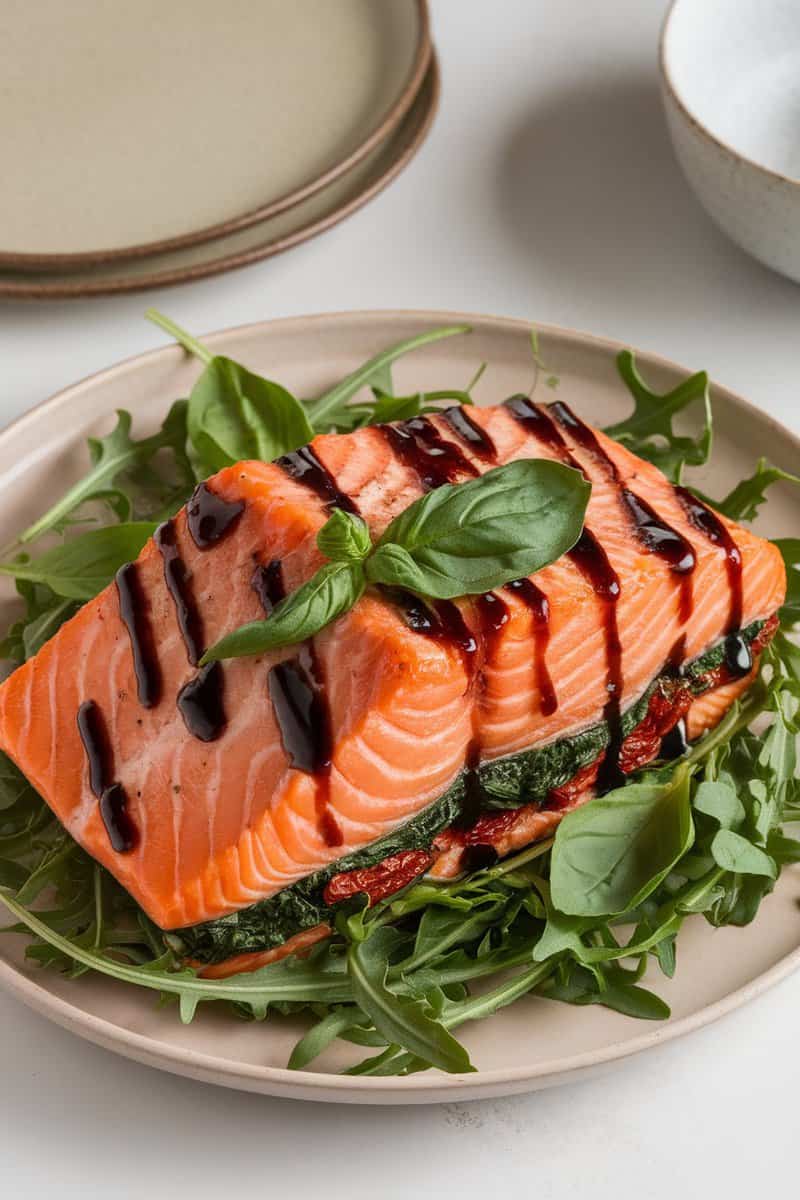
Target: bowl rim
column 672, row 91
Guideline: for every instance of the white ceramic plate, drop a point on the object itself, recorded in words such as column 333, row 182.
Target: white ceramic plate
column 302, row 221
column 133, row 128
column 534, row 1043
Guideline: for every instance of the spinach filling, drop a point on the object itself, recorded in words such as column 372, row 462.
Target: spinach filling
column 506, row 783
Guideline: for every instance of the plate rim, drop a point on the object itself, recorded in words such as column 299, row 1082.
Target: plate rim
column 83, row 288
column 33, row 261
column 426, row 1087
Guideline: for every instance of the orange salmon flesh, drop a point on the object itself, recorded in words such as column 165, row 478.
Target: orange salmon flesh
column 203, row 808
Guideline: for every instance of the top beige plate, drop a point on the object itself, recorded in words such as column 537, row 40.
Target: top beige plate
column 535, row 1042
column 134, row 129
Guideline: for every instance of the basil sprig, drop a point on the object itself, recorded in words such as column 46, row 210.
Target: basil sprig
column 459, row 540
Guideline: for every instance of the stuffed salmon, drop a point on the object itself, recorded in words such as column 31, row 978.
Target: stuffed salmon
column 241, row 802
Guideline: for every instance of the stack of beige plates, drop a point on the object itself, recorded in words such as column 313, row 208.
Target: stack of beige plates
column 151, row 143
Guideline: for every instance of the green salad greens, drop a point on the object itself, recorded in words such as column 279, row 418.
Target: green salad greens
column 577, row 918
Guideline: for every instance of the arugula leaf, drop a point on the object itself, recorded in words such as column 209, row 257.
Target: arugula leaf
column 344, row 537
column 330, row 593
column 745, row 500
column 83, row 566
column 790, row 550
column 113, row 455
column 611, row 854
column 234, row 415
column 328, row 408
column 403, row 1021
column 468, row 538
column 648, row 431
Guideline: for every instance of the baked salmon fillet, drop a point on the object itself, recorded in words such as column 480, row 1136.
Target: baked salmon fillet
column 213, row 791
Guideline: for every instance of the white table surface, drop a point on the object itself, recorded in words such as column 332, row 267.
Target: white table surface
column 548, row 190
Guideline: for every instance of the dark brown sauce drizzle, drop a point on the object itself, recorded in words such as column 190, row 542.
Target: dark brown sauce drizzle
column 209, row 517
column 708, row 523
column 651, row 530
column 267, row 583
column 201, row 703
column 471, row 433
column 738, row 655
column 592, row 561
column 92, row 728
column 299, row 699
column 120, row 826
column 133, row 611
column 536, row 602
column 176, row 578
column 421, row 447
column 675, row 743
column 297, row 690
column 304, row 466
column 661, row 539
column 440, row 620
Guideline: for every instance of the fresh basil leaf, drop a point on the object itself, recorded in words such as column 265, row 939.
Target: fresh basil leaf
column 790, row 550
column 332, row 591
column 114, row 455
column 648, row 431
column 324, row 410
column 611, row 854
column 402, row 1021
column 735, row 853
column 720, row 801
column 235, row 415
column 467, row 538
column 84, row 565
column 745, row 500
column 344, row 537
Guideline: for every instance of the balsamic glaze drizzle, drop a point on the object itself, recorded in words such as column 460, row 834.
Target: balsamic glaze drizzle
column 536, row 602
column 297, row 690
column 267, row 583
column 209, row 517
column 670, row 546
column 651, row 530
column 440, row 620
column 135, row 617
column 299, row 699
column 200, row 702
column 94, row 736
column 304, row 466
column 176, row 578
column 120, row 826
column 675, row 743
column 738, row 655
column 420, row 446
column 592, row 561
column 708, row 523
column 471, row 433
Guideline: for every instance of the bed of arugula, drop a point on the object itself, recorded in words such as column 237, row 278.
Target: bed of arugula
column 577, row 918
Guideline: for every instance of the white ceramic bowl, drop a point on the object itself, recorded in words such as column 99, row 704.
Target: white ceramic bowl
column 731, row 84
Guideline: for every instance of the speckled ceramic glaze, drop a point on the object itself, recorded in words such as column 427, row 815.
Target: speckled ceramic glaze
column 731, row 85
column 534, row 1043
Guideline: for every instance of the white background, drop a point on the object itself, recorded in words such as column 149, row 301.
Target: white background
column 547, row 190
